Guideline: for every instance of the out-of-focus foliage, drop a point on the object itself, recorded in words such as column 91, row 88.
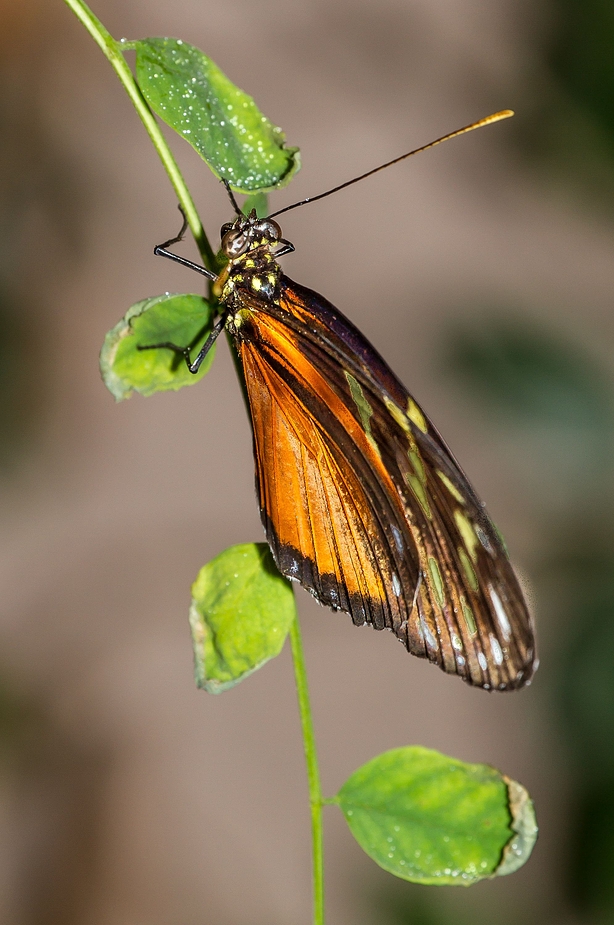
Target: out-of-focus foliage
column 531, row 375
column 549, row 397
column 567, row 115
column 410, row 905
column 582, row 59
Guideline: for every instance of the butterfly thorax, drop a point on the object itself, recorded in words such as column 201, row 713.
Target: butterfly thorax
column 249, row 245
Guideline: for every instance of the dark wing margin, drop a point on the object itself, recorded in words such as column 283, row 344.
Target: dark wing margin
column 363, row 503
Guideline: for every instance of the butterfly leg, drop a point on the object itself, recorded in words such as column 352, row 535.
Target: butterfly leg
column 287, row 248
column 193, row 365
column 160, row 250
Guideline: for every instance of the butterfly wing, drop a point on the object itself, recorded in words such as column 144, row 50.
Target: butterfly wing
column 363, row 503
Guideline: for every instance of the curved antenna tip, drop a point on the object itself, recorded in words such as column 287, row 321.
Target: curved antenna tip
column 487, row 120
column 497, row 116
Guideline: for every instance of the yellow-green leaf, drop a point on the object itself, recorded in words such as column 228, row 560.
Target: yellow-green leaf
column 241, row 612
column 185, row 320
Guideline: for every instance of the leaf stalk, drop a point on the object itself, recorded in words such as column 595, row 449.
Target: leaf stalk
column 113, row 51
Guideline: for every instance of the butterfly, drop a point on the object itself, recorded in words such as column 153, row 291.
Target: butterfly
column 361, row 500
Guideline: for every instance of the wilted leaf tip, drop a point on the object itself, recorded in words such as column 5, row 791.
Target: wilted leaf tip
column 524, row 827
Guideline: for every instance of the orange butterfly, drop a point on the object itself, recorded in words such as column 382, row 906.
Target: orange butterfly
column 361, row 500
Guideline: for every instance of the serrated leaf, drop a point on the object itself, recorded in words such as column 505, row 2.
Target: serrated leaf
column 185, row 320
column 434, row 820
column 190, row 93
column 241, row 612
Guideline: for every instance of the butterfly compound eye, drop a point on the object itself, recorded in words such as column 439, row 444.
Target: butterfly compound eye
column 235, row 243
column 267, row 228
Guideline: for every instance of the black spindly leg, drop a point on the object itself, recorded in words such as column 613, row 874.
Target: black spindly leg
column 195, row 365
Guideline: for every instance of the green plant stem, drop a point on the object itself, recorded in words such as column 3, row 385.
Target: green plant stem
column 316, row 799
column 113, row 52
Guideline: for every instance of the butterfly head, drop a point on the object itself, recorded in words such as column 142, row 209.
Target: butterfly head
column 247, row 233
column 251, row 246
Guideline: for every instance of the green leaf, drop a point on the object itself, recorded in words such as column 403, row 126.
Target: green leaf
column 257, row 201
column 185, row 320
column 241, row 612
column 435, row 820
column 581, row 58
column 190, row 93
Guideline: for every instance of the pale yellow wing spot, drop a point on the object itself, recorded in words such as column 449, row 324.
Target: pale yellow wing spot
column 451, row 487
column 419, row 493
column 399, row 416
column 365, row 411
column 402, row 419
column 417, row 464
column 415, row 415
column 467, row 533
column 437, row 581
column 417, row 481
column 468, row 617
column 468, row 570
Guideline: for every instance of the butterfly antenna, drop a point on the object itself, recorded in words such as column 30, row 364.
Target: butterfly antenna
column 488, row 120
column 231, row 196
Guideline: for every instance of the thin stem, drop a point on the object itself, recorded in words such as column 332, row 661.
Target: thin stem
column 113, row 52
column 313, row 771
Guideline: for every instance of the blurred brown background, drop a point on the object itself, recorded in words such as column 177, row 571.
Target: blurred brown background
column 483, row 272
